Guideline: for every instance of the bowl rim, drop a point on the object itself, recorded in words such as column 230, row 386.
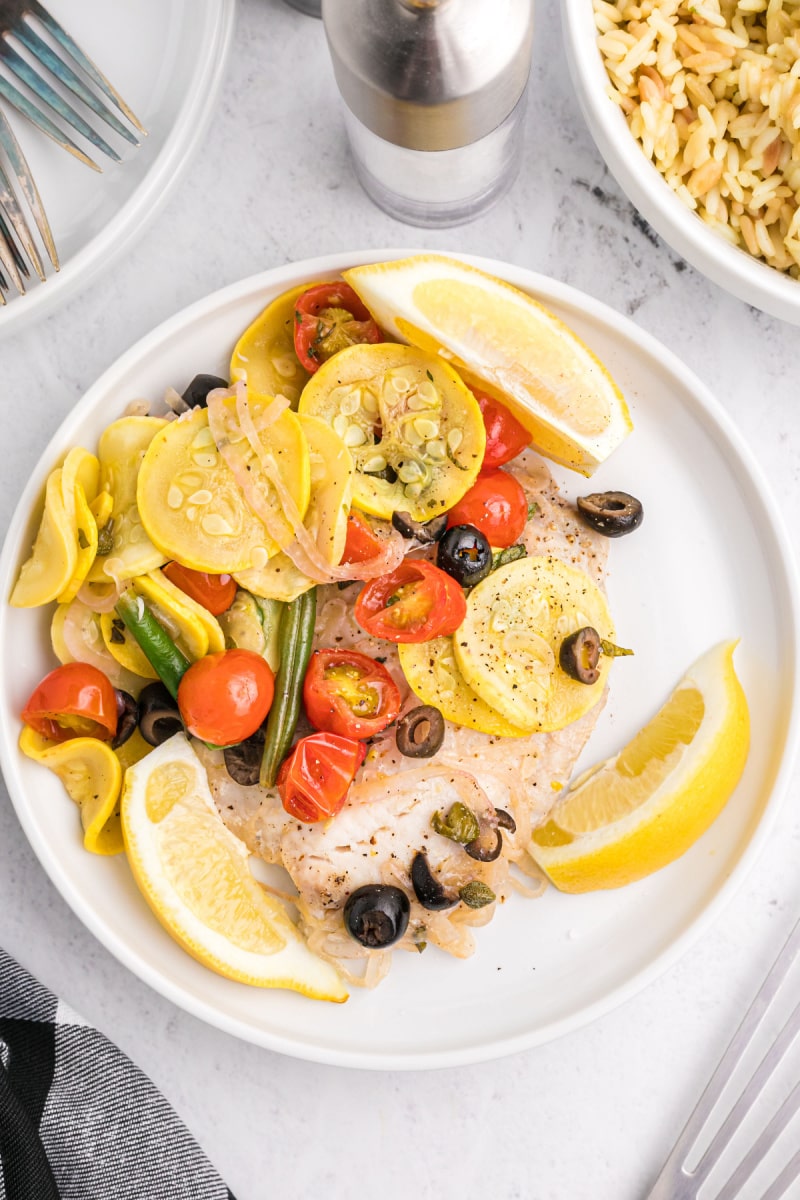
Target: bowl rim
column 180, row 995
column 729, row 266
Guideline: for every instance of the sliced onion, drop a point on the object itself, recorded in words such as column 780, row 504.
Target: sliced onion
column 229, row 432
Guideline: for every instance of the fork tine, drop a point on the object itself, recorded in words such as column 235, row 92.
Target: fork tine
column 28, row 186
column 83, row 60
column 63, row 71
column 7, row 259
column 43, row 122
column 49, row 95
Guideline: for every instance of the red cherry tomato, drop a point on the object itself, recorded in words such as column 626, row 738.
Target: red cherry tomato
column 224, row 697
column 75, row 700
column 313, row 781
column 327, row 318
column 215, row 592
column 349, row 693
column 496, row 504
column 505, row 435
column 362, row 544
column 414, row 603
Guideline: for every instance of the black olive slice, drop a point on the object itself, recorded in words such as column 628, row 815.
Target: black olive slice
column 580, row 654
column 428, row 890
column 420, row 732
column 127, row 718
column 486, row 846
column 243, row 761
column 611, row 513
column 159, row 718
column 505, row 820
column 425, row 532
column 196, row 394
column 376, row 915
column 465, row 554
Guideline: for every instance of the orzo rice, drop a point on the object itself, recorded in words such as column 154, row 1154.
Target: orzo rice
column 711, row 90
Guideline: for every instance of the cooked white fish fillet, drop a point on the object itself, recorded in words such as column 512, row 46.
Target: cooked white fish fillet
column 386, row 820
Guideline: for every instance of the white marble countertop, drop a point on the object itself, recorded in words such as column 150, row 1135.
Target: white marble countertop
column 589, row 1117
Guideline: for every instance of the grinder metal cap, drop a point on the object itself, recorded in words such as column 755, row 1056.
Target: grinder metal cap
column 430, row 74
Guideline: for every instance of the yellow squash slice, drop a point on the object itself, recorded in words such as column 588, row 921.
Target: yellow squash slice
column 433, row 675
column 193, row 507
column 413, row 427
column 54, row 557
column 326, row 516
column 121, row 450
column 92, row 775
column 507, row 647
column 264, row 356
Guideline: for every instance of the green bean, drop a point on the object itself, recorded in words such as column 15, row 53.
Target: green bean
column 295, row 636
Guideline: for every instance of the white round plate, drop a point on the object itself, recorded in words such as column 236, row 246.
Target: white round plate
column 710, row 562
column 167, row 61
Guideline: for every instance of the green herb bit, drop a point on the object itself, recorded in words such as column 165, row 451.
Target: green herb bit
column 460, row 825
column 611, row 651
column 477, row 894
column 509, row 555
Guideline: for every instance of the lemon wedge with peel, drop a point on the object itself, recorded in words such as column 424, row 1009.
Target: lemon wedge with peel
column 636, row 812
column 506, row 343
column 195, row 876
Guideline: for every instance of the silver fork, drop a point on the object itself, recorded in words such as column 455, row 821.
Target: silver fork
column 12, row 260
column 677, row 1183
column 15, row 22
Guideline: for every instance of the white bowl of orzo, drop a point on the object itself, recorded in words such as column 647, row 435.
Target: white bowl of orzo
column 695, row 106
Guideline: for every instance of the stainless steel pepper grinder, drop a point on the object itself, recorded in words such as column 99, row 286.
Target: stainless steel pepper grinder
column 434, row 95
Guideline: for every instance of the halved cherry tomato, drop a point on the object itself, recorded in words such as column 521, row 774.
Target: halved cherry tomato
column 349, row 693
column 505, row 435
column 327, row 318
column 76, row 700
column 313, row 781
column 215, row 592
column 224, row 697
column 496, row 504
column 361, row 544
column 415, row 603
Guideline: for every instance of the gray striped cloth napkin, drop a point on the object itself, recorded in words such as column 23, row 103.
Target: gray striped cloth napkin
column 78, row 1121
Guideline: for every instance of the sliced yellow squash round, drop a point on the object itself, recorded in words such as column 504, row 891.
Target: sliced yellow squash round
column 413, row 427
column 193, row 508
column 325, row 519
column 433, row 675
column 264, row 357
column 121, row 450
column 92, row 775
column 54, row 556
column 507, row 647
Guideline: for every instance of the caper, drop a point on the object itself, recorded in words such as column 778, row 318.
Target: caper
column 580, row 654
column 477, row 894
column 611, row 513
column 420, row 732
column 460, row 825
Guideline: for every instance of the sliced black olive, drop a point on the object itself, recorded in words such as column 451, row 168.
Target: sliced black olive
column 427, row 889
column 127, row 718
column 611, row 513
column 505, row 820
column 420, row 732
column 159, row 718
column 376, row 915
column 196, row 394
column 465, row 554
column 425, row 532
column 243, row 762
column 486, row 846
column 580, row 654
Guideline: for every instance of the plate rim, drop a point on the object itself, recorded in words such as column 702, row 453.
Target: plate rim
column 729, row 267
column 706, row 403
column 106, row 246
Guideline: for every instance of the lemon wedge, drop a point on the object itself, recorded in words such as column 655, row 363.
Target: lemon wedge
column 504, row 342
column 636, row 812
column 195, row 876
